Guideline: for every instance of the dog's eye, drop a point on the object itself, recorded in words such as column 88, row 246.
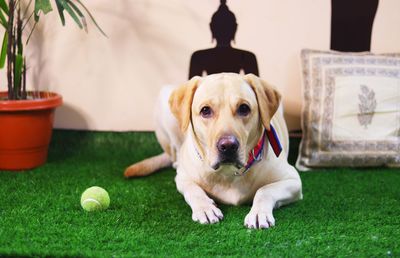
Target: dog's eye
column 206, row 112
column 243, row 110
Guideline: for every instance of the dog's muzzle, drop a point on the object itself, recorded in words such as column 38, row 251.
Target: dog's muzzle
column 227, row 147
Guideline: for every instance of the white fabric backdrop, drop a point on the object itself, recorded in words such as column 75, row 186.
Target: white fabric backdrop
column 112, row 83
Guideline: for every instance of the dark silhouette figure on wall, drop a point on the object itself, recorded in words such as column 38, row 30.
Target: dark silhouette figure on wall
column 351, row 24
column 223, row 57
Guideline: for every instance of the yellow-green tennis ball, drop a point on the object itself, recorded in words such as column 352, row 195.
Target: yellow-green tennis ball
column 95, row 199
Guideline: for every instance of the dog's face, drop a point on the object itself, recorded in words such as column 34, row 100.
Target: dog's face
column 227, row 113
column 225, row 120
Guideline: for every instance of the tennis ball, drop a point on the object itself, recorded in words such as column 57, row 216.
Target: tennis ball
column 95, row 199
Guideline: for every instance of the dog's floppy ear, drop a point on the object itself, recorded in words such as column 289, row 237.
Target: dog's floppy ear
column 180, row 102
column 268, row 98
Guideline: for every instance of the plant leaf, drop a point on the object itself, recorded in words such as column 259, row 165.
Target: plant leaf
column 72, row 13
column 60, row 9
column 76, row 9
column 3, row 54
column 3, row 20
column 43, row 5
column 19, row 61
column 4, row 6
column 91, row 17
column 36, row 17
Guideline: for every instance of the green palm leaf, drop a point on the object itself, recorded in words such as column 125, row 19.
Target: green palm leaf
column 4, row 6
column 3, row 54
column 91, row 17
column 76, row 9
column 19, row 61
column 72, row 13
column 42, row 5
column 60, row 9
column 3, row 20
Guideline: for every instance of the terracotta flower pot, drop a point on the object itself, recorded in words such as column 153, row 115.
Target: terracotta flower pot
column 25, row 130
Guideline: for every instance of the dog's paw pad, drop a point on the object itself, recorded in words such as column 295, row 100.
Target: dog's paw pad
column 259, row 220
column 207, row 215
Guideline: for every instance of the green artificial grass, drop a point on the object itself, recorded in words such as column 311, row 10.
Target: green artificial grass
column 345, row 212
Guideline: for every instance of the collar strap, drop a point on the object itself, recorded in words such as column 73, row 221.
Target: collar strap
column 274, row 141
column 255, row 154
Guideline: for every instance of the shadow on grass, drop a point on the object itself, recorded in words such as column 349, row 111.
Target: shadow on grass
column 67, row 143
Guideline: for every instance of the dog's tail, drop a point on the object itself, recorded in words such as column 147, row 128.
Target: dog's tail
column 148, row 166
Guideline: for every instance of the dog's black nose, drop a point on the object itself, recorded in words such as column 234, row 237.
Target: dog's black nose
column 228, row 145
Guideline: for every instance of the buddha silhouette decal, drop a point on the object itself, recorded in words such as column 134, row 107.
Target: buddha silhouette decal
column 351, row 24
column 223, row 57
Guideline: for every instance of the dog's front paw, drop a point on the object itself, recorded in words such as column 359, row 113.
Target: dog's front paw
column 207, row 214
column 259, row 219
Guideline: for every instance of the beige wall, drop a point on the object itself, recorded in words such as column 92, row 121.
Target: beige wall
column 111, row 83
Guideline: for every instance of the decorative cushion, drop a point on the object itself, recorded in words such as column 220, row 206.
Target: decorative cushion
column 351, row 110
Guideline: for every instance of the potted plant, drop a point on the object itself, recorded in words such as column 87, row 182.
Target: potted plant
column 26, row 117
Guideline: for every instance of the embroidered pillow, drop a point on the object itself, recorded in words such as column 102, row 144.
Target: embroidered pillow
column 351, row 110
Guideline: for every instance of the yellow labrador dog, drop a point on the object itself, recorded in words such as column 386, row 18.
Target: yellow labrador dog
column 222, row 133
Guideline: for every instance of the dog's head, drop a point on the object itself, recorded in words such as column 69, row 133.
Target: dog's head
column 227, row 113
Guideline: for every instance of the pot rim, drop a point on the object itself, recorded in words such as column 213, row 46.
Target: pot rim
column 46, row 100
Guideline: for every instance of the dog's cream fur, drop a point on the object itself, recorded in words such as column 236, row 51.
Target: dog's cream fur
column 189, row 142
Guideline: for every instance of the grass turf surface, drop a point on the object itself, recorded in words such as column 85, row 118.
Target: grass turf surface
column 345, row 212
